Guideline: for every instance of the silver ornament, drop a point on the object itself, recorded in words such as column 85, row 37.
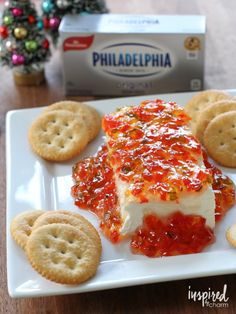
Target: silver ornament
column 10, row 45
column 62, row 4
column 2, row 52
column 7, row 4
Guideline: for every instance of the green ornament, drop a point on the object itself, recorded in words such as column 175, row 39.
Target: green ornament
column 7, row 20
column 31, row 45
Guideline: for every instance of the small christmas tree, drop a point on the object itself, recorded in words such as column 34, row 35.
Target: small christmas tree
column 23, row 45
column 54, row 10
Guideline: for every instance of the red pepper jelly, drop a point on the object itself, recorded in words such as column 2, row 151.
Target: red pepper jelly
column 150, row 148
column 95, row 190
column 177, row 234
column 223, row 188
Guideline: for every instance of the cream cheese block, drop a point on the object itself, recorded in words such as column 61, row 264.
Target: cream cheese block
column 132, row 212
column 160, row 132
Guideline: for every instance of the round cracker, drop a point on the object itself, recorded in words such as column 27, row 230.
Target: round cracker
column 89, row 114
column 63, row 253
column 22, row 224
column 210, row 112
column 68, row 217
column 200, row 101
column 58, row 135
column 220, row 139
column 231, row 235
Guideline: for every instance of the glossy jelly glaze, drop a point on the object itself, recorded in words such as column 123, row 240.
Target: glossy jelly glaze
column 151, row 148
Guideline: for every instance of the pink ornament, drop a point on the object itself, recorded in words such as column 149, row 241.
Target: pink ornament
column 17, row 59
column 17, row 12
column 54, row 22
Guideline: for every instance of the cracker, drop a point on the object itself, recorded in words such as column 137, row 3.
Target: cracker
column 63, row 253
column 22, row 224
column 89, row 114
column 210, row 112
column 200, row 101
column 231, row 235
column 220, row 139
column 58, row 135
column 68, row 217
column 90, row 229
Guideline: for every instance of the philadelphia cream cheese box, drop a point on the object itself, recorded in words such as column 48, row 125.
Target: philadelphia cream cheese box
column 109, row 54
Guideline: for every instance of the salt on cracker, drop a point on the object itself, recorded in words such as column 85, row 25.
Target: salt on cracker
column 58, row 135
column 200, row 101
column 68, row 217
column 63, row 253
column 22, row 224
column 210, row 112
column 231, row 235
column 220, row 139
column 90, row 115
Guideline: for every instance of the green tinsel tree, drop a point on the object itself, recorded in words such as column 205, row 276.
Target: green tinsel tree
column 23, row 44
column 54, row 10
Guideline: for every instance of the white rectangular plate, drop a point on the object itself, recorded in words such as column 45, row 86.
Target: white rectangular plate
column 33, row 183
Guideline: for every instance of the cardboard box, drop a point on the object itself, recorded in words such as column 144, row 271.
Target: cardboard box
column 111, row 54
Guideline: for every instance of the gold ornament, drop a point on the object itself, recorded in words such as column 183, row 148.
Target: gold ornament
column 20, row 32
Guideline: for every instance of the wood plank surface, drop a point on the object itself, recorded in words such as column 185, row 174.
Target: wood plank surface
column 169, row 297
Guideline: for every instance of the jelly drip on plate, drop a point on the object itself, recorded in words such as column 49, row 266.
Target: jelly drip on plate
column 95, row 190
column 177, row 234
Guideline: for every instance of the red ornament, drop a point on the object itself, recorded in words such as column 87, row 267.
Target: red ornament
column 46, row 23
column 45, row 44
column 31, row 19
column 3, row 31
